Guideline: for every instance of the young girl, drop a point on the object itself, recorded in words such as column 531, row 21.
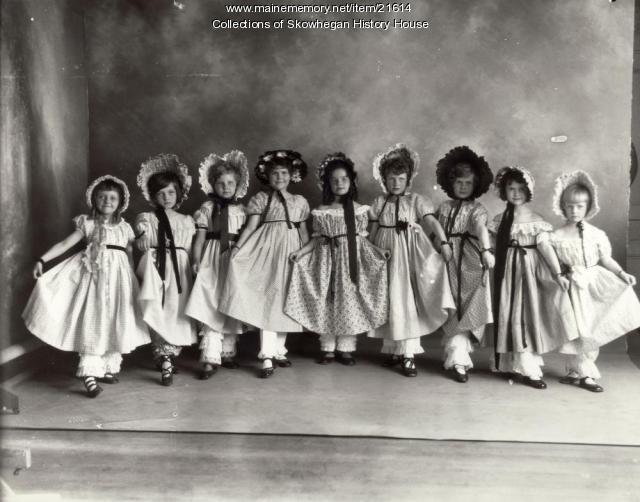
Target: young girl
column 87, row 302
column 532, row 311
column 164, row 236
column 256, row 282
column 218, row 221
column 338, row 283
column 419, row 288
column 464, row 177
column 601, row 291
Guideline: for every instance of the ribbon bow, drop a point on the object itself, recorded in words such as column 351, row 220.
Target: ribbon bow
column 166, row 240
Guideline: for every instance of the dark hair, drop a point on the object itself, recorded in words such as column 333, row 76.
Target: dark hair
column 289, row 159
column 518, row 177
column 575, row 189
column 107, row 186
column 459, row 162
column 341, row 161
column 161, row 180
column 399, row 162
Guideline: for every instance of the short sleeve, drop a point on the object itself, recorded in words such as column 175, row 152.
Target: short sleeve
column 375, row 208
column 257, row 204
column 190, row 224
column 543, row 238
column 304, row 208
column 479, row 216
column 604, row 245
column 142, row 223
column 203, row 215
column 424, row 207
column 81, row 223
column 494, row 224
column 128, row 231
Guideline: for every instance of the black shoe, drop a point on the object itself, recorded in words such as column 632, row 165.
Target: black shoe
column 283, row 363
column 536, row 384
column 267, row 372
column 569, row 380
column 229, row 363
column 207, row 371
column 459, row 376
column 346, row 358
column 109, row 378
column 327, row 358
column 593, row 387
column 392, row 361
column 166, row 371
column 93, row 389
column 409, row 367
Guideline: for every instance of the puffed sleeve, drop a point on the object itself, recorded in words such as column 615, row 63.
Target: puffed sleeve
column 257, row 204
column 374, row 209
column 128, row 232
column 544, row 237
column 479, row 216
column 315, row 224
column 304, row 208
column 424, row 207
column 190, row 224
column 142, row 224
column 494, row 224
column 203, row 215
column 81, row 223
column 604, row 245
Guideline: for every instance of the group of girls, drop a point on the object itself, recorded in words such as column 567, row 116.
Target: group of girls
column 397, row 270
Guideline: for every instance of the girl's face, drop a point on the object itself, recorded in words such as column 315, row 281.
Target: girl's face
column 225, row 186
column 516, row 193
column 279, row 178
column 107, row 202
column 396, row 183
column 463, row 186
column 339, row 182
column 167, row 197
column 576, row 207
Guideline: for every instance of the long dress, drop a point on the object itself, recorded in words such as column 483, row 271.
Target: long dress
column 256, row 284
column 605, row 306
column 167, row 317
column 470, row 284
column 419, row 290
column 322, row 296
column 203, row 304
column 87, row 303
column 535, row 313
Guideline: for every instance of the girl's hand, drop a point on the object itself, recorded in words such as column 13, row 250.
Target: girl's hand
column 563, row 282
column 488, row 260
column 37, row 270
column 234, row 251
column 446, row 252
column 628, row 278
column 143, row 244
column 387, row 254
column 294, row 256
column 195, row 268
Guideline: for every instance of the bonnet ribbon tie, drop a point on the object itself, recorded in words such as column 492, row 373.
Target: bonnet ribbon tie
column 165, row 238
column 221, row 212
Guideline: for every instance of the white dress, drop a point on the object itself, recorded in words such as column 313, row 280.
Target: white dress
column 169, row 319
column 87, row 303
column 207, row 288
column 605, row 306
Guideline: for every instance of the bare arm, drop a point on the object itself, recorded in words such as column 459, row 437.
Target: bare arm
column 433, row 226
column 550, row 257
column 612, row 266
column 252, row 224
column 373, row 230
column 488, row 260
column 198, row 246
column 57, row 249
column 296, row 255
column 304, row 233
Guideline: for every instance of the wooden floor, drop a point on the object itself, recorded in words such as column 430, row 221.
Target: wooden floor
column 110, row 466
column 324, row 433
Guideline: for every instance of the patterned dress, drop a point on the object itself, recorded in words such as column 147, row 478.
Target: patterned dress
column 535, row 313
column 203, row 304
column 169, row 319
column 322, row 297
column 605, row 306
column 419, row 291
column 256, row 283
column 87, row 303
column 470, row 283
